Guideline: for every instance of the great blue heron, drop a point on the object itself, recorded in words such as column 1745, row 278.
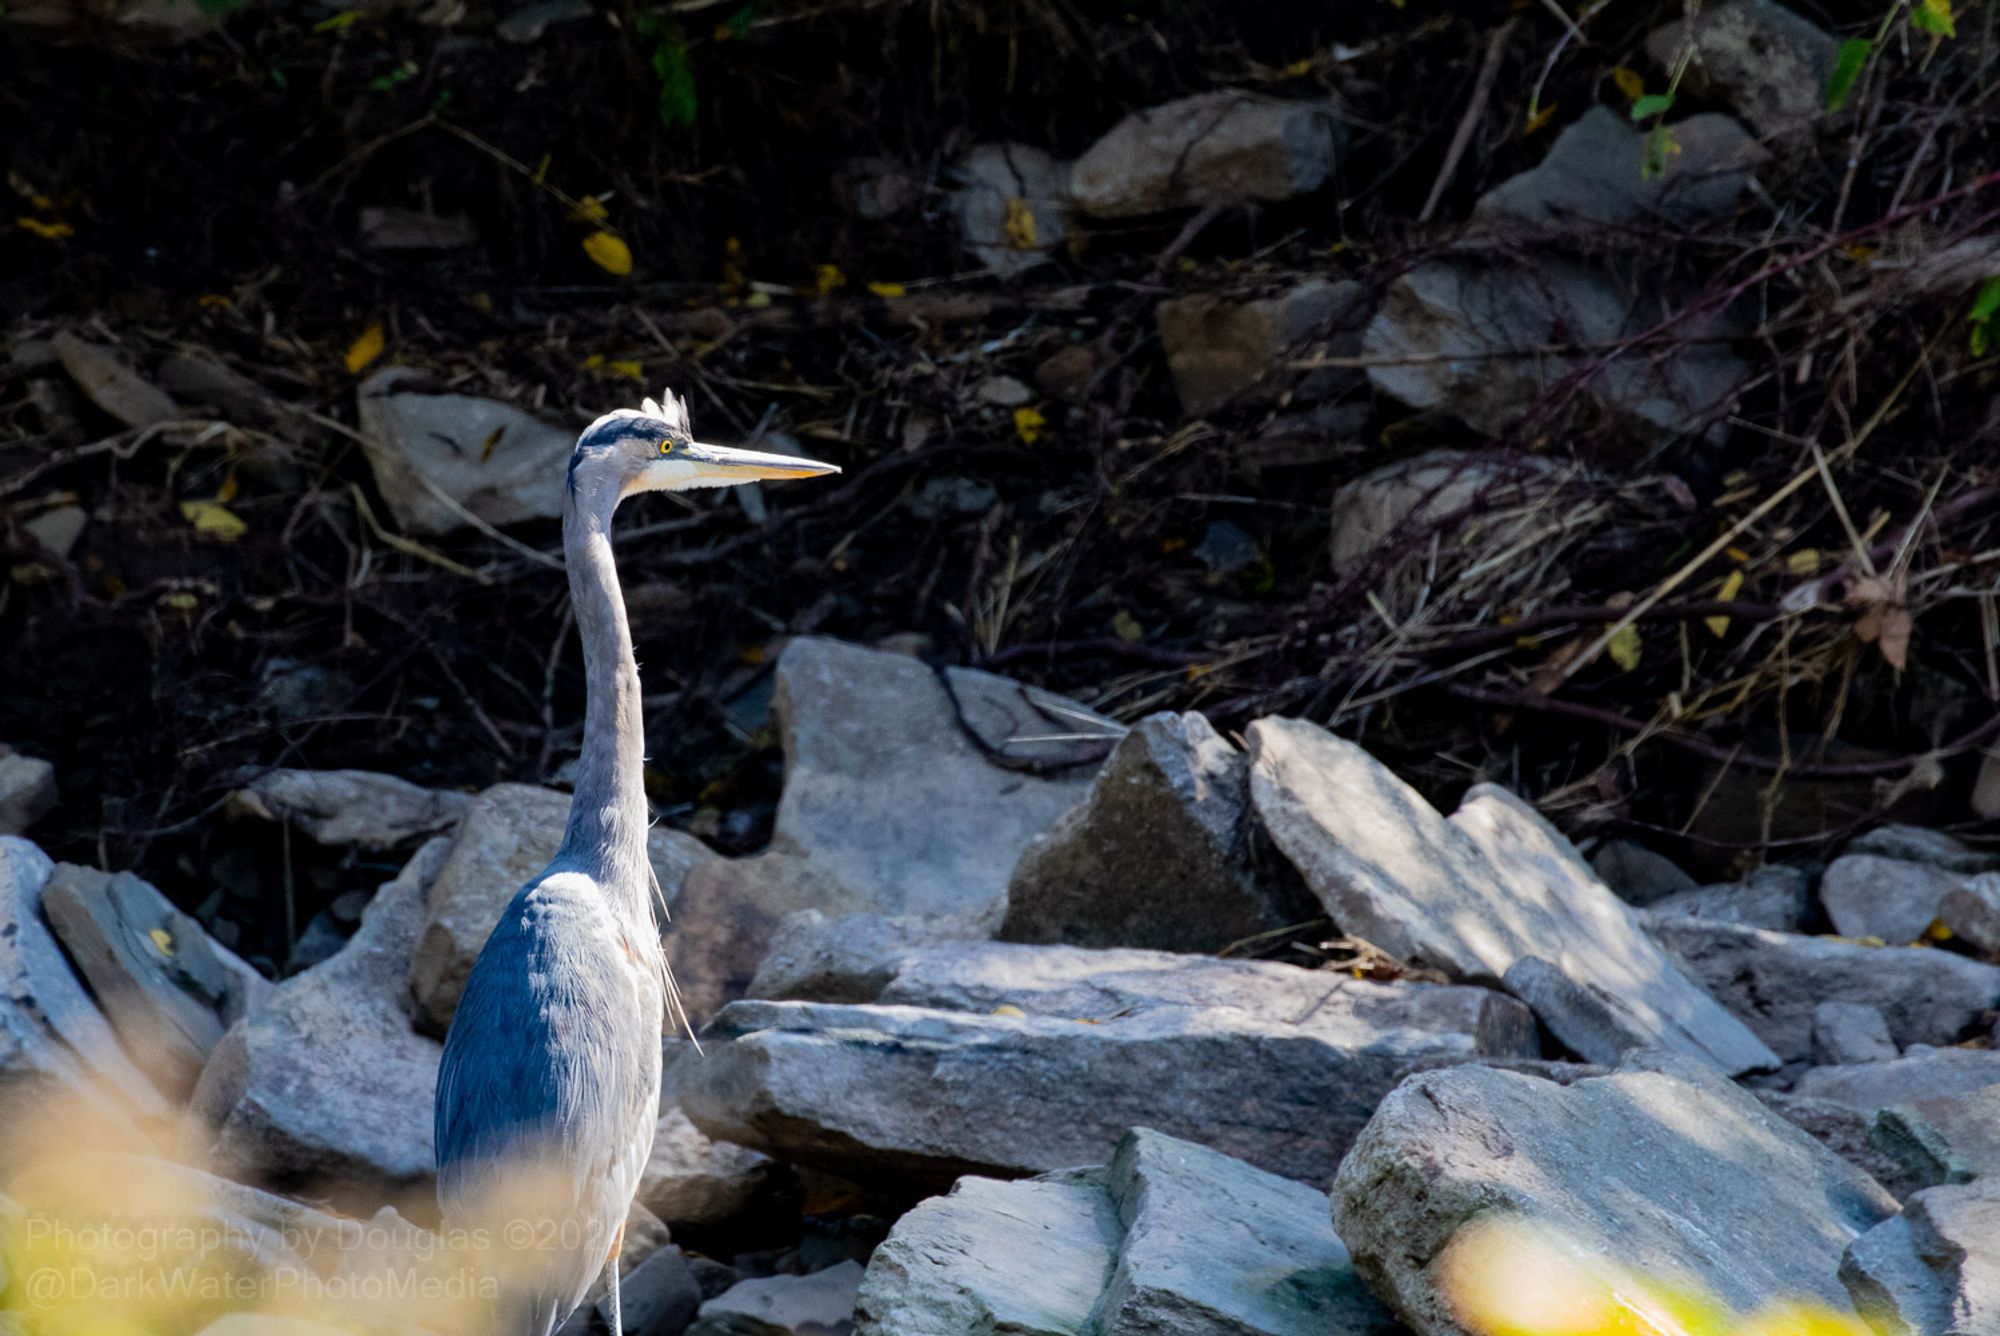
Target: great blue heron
column 550, row 1086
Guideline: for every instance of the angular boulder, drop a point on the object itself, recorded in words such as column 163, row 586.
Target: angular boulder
column 1473, row 338
column 325, row 1083
column 1934, row 1269
column 1776, row 897
column 1888, row 899
column 355, row 809
column 1454, row 492
column 1844, row 1033
column 1774, row 980
column 506, row 838
column 1668, row 1172
column 1478, row 894
column 1758, row 57
column 440, row 456
column 1949, row 1137
column 808, row 1305
column 1221, row 147
column 920, row 790
column 1012, row 205
column 1595, row 176
column 918, row 1095
column 726, row 914
column 1158, row 855
column 845, row 958
column 1219, row 349
column 27, row 790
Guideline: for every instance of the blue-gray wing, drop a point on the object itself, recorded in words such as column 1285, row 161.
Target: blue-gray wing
column 550, row 1078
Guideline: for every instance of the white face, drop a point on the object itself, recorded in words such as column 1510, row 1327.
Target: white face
column 651, row 450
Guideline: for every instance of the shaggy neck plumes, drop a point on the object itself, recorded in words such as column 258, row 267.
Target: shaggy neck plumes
column 608, row 817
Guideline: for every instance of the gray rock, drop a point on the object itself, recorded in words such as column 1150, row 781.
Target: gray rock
column 56, row 1048
column 1922, row 1072
column 691, row 1180
column 1438, row 1020
column 887, row 792
column 1844, row 1033
column 1760, row 58
column 1776, row 897
column 439, row 456
column 1595, row 176
column 1893, row 1287
column 1847, row 1133
column 198, row 379
column 1221, row 147
column 55, row 531
column 27, row 790
column 113, row 386
column 1012, row 206
column 1220, row 348
column 351, row 808
column 1473, row 338
column 1891, row 901
column 381, row 227
column 1934, row 1270
column 819, row 1304
column 1971, row 910
column 1214, row 1247
column 1773, row 980
column 1157, row 855
column 849, row 958
column 728, row 910
column 1475, row 894
column 923, row 1095
column 1026, row 1259
column 166, row 987
column 1943, row 1138
column 325, row 1083
column 1464, row 494
column 1639, row 875
column 1669, row 1172
column 507, row 836
column 1915, row 844
column 658, row 1297
column 876, row 188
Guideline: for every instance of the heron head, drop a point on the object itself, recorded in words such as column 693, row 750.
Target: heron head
column 651, row 449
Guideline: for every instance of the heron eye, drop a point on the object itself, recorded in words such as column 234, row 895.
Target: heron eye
column 666, row 447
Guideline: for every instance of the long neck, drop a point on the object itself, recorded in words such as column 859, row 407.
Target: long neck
column 608, row 817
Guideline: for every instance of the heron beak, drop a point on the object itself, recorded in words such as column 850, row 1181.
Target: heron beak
column 723, row 464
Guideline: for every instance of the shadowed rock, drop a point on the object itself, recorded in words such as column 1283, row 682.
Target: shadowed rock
column 1221, row 147
column 1933, row 1270
column 351, row 808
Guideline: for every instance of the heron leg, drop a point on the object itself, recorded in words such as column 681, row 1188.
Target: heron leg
column 616, row 1314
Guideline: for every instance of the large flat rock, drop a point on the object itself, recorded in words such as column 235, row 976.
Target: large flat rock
column 1479, row 894
column 1220, row 147
column 1595, row 175
column 1921, row 1073
column 1074, row 983
column 1668, row 1173
column 1775, row 980
column 351, row 808
column 325, row 1083
column 917, row 1095
column 889, row 793
column 504, row 841
column 1157, row 855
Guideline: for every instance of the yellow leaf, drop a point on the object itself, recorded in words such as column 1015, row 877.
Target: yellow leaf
column 757, row 301
column 366, row 348
column 214, row 520
column 163, row 940
column 1028, row 425
column 215, row 301
column 1538, row 118
column 1630, row 82
column 626, row 370
column 1298, row 69
column 1018, row 227
column 827, row 277
column 1939, row 931
column 1719, row 626
column 181, row 602
column 1805, row 561
column 1737, row 555
column 888, row 289
column 1009, row 1009
column 346, row 18
column 1625, row 647
column 227, row 492
column 1127, row 626
column 609, row 253
column 594, row 362
column 46, row 231
column 590, row 209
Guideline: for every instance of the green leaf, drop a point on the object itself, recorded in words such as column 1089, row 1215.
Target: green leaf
column 675, row 72
column 1987, row 303
column 1847, row 66
column 1651, row 105
column 1660, row 145
column 1934, row 16
column 1982, row 338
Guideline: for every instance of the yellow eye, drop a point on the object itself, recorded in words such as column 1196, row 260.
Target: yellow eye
column 666, row 447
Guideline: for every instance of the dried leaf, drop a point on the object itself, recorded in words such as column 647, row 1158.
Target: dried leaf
column 886, row 290
column 366, row 348
column 1895, row 636
column 1625, row 647
column 163, row 940
column 1805, row 561
column 1731, row 586
column 590, row 209
column 1018, row 227
column 827, row 277
column 609, row 252
column 211, row 519
column 1630, row 82
column 46, row 231
column 1538, row 119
